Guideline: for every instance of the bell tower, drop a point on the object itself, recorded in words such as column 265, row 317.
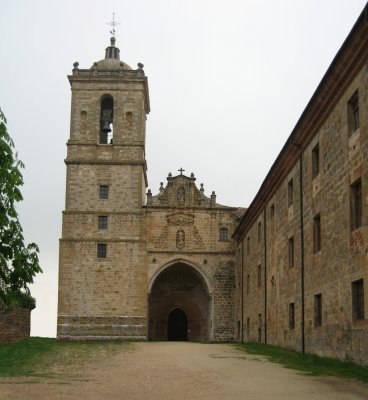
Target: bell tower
column 102, row 274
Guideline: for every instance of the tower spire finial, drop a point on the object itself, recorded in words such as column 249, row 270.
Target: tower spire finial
column 113, row 23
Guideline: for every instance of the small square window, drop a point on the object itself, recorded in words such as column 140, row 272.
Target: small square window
column 353, row 113
column 317, row 233
column 102, row 222
column 104, row 192
column 224, row 234
column 101, row 250
column 357, row 292
column 290, row 192
column 318, row 310
column 291, row 316
column 315, row 161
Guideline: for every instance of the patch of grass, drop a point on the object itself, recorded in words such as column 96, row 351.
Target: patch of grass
column 41, row 356
column 308, row 363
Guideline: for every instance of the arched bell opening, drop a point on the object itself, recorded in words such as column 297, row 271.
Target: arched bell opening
column 179, row 305
column 107, row 120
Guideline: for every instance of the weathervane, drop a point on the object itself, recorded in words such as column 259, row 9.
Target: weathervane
column 113, row 23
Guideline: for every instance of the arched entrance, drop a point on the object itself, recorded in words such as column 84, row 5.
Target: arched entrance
column 179, row 305
column 177, row 325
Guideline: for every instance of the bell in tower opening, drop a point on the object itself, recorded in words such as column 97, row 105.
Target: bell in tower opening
column 106, row 121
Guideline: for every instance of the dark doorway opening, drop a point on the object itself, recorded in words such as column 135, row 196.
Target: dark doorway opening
column 177, row 325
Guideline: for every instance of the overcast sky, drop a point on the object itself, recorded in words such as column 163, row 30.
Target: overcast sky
column 228, row 81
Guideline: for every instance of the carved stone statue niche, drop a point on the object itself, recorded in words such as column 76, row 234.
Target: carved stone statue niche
column 180, row 239
column 180, row 195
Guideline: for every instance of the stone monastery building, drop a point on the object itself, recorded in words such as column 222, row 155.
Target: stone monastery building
column 291, row 270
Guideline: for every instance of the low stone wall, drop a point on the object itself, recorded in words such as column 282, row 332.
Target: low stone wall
column 15, row 325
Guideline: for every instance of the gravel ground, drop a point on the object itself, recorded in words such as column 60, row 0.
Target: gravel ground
column 180, row 371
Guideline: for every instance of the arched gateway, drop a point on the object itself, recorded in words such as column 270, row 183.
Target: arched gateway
column 179, row 305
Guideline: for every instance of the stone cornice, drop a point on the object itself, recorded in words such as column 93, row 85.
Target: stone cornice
column 103, row 162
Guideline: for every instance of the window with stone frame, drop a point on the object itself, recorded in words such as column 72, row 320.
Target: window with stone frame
column 102, row 222
column 357, row 293
column 317, row 233
column 224, row 234
column 353, row 113
column 101, row 250
column 259, row 328
column 248, row 283
column 291, row 316
column 318, row 309
column 272, row 211
column 248, row 328
column 259, row 276
column 290, row 192
column 248, row 245
column 259, row 231
column 103, row 192
column 356, row 205
column 291, row 252
column 315, row 161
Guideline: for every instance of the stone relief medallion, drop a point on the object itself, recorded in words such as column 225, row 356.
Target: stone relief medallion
column 180, row 239
column 180, row 219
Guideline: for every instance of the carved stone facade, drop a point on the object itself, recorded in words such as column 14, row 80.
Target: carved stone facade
column 135, row 265
column 290, row 271
column 183, row 239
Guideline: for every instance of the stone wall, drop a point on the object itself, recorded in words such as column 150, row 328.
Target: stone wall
column 15, row 325
column 299, row 253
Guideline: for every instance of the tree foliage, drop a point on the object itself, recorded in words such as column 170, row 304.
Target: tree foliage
column 18, row 262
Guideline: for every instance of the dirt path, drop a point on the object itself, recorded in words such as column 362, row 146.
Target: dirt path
column 181, row 371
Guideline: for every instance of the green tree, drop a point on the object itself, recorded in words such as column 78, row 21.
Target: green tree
column 18, row 262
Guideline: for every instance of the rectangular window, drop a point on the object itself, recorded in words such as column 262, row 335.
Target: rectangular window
column 101, row 250
column 223, row 234
column 353, row 113
column 291, row 316
column 315, row 161
column 102, row 222
column 291, row 252
column 259, row 328
column 357, row 292
column 356, row 204
column 290, row 192
column 248, row 245
column 104, row 192
column 259, row 231
column 272, row 211
column 318, row 310
column 317, row 233
column 248, row 283
column 259, row 276
column 248, row 328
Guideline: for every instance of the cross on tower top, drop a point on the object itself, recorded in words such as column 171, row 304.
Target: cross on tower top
column 181, row 170
column 113, row 23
